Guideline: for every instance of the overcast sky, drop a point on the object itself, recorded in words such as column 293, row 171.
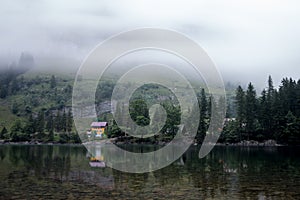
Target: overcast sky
column 247, row 39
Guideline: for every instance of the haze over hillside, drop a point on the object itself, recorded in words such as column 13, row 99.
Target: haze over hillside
column 248, row 40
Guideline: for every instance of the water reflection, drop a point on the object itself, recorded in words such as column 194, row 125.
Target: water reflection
column 96, row 155
column 227, row 172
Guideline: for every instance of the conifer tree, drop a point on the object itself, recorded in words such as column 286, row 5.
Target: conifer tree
column 250, row 110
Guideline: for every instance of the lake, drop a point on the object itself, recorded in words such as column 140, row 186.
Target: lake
column 64, row 172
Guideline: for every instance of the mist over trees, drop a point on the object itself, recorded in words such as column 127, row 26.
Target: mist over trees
column 41, row 105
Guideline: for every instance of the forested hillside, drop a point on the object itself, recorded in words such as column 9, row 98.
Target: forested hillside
column 38, row 108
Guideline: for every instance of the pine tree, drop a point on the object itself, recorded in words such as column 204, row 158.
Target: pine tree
column 3, row 133
column 51, row 135
column 202, row 128
column 30, row 127
column 278, row 115
column 69, row 121
column 16, row 131
column 209, row 106
column 58, row 127
column 40, row 123
column 263, row 113
column 240, row 107
column 50, row 123
column 270, row 88
column 173, row 118
column 250, row 110
column 64, row 121
column 269, row 108
column 291, row 131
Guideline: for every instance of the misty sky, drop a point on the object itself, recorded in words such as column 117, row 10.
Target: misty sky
column 247, row 39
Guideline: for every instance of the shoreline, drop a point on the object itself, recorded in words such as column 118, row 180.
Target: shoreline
column 269, row 143
column 39, row 143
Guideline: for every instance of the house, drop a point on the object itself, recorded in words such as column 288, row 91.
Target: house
column 98, row 129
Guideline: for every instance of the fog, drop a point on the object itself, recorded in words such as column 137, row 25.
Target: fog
column 248, row 40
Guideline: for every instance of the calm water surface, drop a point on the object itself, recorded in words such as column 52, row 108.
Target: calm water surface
column 63, row 172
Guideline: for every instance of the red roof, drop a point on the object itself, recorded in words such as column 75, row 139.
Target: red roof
column 98, row 124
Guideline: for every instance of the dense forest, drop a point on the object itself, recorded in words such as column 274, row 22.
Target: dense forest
column 274, row 114
column 37, row 108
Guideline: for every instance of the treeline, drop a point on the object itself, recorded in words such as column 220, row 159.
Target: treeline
column 274, row 114
column 46, row 126
column 139, row 112
column 42, row 105
column 139, row 104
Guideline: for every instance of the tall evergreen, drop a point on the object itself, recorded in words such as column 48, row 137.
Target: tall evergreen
column 290, row 134
column 69, row 121
column 16, row 132
column 40, row 123
column 240, row 109
column 3, row 133
column 264, row 112
column 50, row 122
column 210, row 102
column 30, row 127
column 203, row 117
column 269, row 108
column 64, row 121
column 250, row 110
column 173, row 118
column 57, row 122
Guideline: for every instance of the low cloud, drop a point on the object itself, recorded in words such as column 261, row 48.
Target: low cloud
column 248, row 40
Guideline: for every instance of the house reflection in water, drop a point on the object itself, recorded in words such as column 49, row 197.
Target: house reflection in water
column 96, row 156
column 54, row 163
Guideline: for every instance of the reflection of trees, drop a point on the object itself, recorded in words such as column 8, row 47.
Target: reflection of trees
column 243, row 172
column 41, row 160
column 258, row 172
column 14, row 154
column 206, row 174
column 3, row 153
column 62, row 163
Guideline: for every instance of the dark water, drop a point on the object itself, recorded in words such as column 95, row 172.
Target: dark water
column 63, row 172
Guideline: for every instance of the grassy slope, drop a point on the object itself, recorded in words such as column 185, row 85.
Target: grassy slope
column 40, row 91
